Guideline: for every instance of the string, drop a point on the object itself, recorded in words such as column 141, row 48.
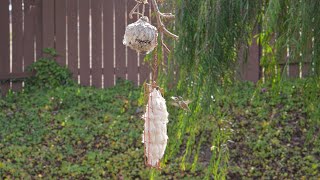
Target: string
column 143, row 9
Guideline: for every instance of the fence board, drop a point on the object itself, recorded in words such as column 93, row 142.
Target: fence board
column 144, row 69
column 108, row 69
column 306, row 69
column 252, row 67
column 38, row 27
column 84, row 42
column 48, row 24
column 294, row 70
column 4, row 44
column 29, row 32
column 72, row 16
column 60, row 30
column 17, row 39
column 120, row 48
column 132, row 55
column 96, row 43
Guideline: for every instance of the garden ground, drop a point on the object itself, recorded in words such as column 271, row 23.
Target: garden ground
column 85, row 133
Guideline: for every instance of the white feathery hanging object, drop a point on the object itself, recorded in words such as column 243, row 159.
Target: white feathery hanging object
column 155, row 128
column 141, row 35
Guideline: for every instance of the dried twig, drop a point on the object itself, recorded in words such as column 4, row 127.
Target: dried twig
column 161, row 26
column 133, row 11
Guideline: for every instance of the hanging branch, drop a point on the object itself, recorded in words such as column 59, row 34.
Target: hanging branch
column 159, row 15
column 161, row 26
column 133, row 11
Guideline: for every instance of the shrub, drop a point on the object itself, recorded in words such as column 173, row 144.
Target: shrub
column 48, row 73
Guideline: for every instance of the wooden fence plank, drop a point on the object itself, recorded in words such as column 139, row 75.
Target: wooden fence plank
column 4, row 44
column 294, row 70
column 108, row 69
column 306, row 69
column 132, row 55
column 84, row 42
column 72, row 16
column 30, row 14
column 307, row 58
column 121, row 69
column 17, row 39
column 48, row 24
column 60, row 30
column 38, row 27
column 144, row 68
column 251, row 70
column 96, row 43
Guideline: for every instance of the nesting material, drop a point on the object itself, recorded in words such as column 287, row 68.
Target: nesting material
column 141, row 35
column 155, row 128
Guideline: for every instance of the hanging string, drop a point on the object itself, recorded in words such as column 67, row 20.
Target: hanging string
column 143, row 9
column 155, row 66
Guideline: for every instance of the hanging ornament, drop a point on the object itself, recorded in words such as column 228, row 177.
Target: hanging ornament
column 141, row 36
column 155, row 128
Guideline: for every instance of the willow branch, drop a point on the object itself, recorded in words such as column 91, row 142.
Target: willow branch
column 160, row 23
column 134, row 9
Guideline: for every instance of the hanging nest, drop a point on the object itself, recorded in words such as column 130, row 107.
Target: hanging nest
column 141, row 35
column 155, row 128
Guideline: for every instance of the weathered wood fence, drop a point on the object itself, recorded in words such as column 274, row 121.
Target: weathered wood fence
column 88, row 35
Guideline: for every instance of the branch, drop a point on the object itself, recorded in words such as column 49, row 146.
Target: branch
column 134, row 9
column 164, row 45
column 167, row 15
column 160, row 23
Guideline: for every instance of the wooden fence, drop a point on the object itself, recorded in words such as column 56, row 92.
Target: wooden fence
column 88, row 35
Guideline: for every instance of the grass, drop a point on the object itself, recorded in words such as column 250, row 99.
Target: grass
column 85, row 133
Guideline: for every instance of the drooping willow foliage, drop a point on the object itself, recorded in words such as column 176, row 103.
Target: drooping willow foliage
column 290, row 34
column 211, row 33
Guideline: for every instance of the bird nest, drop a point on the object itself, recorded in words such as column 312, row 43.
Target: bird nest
column 141, row 35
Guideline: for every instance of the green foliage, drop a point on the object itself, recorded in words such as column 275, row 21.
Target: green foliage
column 48, row 73
column 75, row 133
column 81, row 132
column 211, row 33
column 276, row 132
column 291, row 27
column 72, row 132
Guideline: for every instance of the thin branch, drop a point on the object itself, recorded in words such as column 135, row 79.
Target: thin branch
column 160, row 23
column 167, row 15
column 134, row 9
column 165, row 47
column 140, row 14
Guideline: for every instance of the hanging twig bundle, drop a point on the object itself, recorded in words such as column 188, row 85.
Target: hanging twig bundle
column 141, row 35
column 155, row 128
